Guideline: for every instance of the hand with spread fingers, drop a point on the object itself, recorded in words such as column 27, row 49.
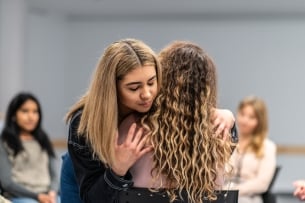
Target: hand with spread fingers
column 127, row 153
column 223, row 122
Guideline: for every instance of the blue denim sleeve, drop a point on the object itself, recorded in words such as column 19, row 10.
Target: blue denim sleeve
column 97, row 182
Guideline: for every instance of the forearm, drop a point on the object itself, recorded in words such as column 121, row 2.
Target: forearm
column 19, row 191
column 251, row 187
column 260, row 183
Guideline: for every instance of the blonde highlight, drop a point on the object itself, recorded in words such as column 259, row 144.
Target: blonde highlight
column 186, row 150
column 99, row 119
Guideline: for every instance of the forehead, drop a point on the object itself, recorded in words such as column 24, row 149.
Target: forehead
column 29, row 104
column 140, row 73
column 248, row 108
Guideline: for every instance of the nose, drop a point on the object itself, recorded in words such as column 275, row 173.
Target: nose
column 146, row 93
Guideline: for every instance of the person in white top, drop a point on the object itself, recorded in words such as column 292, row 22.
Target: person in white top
column 254, row 159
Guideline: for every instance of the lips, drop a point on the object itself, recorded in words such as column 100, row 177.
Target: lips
column 146, row 104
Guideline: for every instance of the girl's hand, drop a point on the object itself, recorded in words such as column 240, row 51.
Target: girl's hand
column 44, row 198
column 130, row 150
column 223, row 121
column 299, row 191
column 53, row 196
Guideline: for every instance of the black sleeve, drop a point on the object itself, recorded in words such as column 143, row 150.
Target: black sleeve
column 97, row 182
column 234, row 134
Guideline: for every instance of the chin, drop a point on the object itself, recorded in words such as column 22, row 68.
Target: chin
column 143, row 110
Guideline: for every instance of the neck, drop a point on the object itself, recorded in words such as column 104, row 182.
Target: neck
column 243, row 142
column 122, row 116
column 123, row 113
column 26, row 135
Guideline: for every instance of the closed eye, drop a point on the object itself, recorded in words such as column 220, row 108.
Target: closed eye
column 134, row 87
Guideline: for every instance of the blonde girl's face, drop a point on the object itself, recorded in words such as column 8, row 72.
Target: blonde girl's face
column 27, row 116
column 246, row 120
column 137, row 90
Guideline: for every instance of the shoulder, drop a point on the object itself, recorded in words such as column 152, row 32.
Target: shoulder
column 75, row 119
column 4, row 147
column 73, row 128
column 270, row 146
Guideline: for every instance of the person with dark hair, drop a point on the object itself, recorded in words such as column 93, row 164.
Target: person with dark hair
column 27, row 157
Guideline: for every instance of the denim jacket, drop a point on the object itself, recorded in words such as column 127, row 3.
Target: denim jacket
column 97, row 182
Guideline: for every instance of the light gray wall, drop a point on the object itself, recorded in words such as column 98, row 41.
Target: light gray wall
column 46, row 67
column 261, row 55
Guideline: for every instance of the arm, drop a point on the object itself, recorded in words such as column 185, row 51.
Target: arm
column 97, row 183
column 266, row 170
column 53, row 174
column 224, row 122
column 7, row 183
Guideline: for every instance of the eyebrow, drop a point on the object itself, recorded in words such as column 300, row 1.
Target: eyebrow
column 137, row 83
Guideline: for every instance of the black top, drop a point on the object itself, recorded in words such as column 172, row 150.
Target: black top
column 97, row 182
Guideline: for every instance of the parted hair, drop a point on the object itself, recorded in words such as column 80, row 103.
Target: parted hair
column 99, row 119
column 186, row 151
column 260, row 132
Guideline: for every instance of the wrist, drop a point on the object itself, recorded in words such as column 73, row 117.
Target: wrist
column 116, row 181
column 118, row 172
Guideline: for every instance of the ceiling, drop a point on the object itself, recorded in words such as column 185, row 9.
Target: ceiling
column 169, row 7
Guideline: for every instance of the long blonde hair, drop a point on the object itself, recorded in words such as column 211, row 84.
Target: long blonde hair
column 261, row 130
column 99, row 119
column 186, row 150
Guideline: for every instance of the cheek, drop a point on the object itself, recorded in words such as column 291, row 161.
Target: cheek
column 253, row 124
column 154, row 91
column 127, row 98
column 20, row 118
column 36, row 118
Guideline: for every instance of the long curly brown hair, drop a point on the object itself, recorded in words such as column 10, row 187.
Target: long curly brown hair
column 186, row 150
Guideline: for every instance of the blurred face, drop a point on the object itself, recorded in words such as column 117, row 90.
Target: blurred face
column 27, row 116
column 137, row 90
column 246, row 120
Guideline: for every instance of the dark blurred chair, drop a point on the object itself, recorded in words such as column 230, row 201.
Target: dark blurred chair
column 268, row 196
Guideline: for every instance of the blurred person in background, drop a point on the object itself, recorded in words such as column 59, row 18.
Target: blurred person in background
column 28, row 173
column 254, row 159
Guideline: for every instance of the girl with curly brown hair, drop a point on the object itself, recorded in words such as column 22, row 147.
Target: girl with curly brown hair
column 187, row 154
